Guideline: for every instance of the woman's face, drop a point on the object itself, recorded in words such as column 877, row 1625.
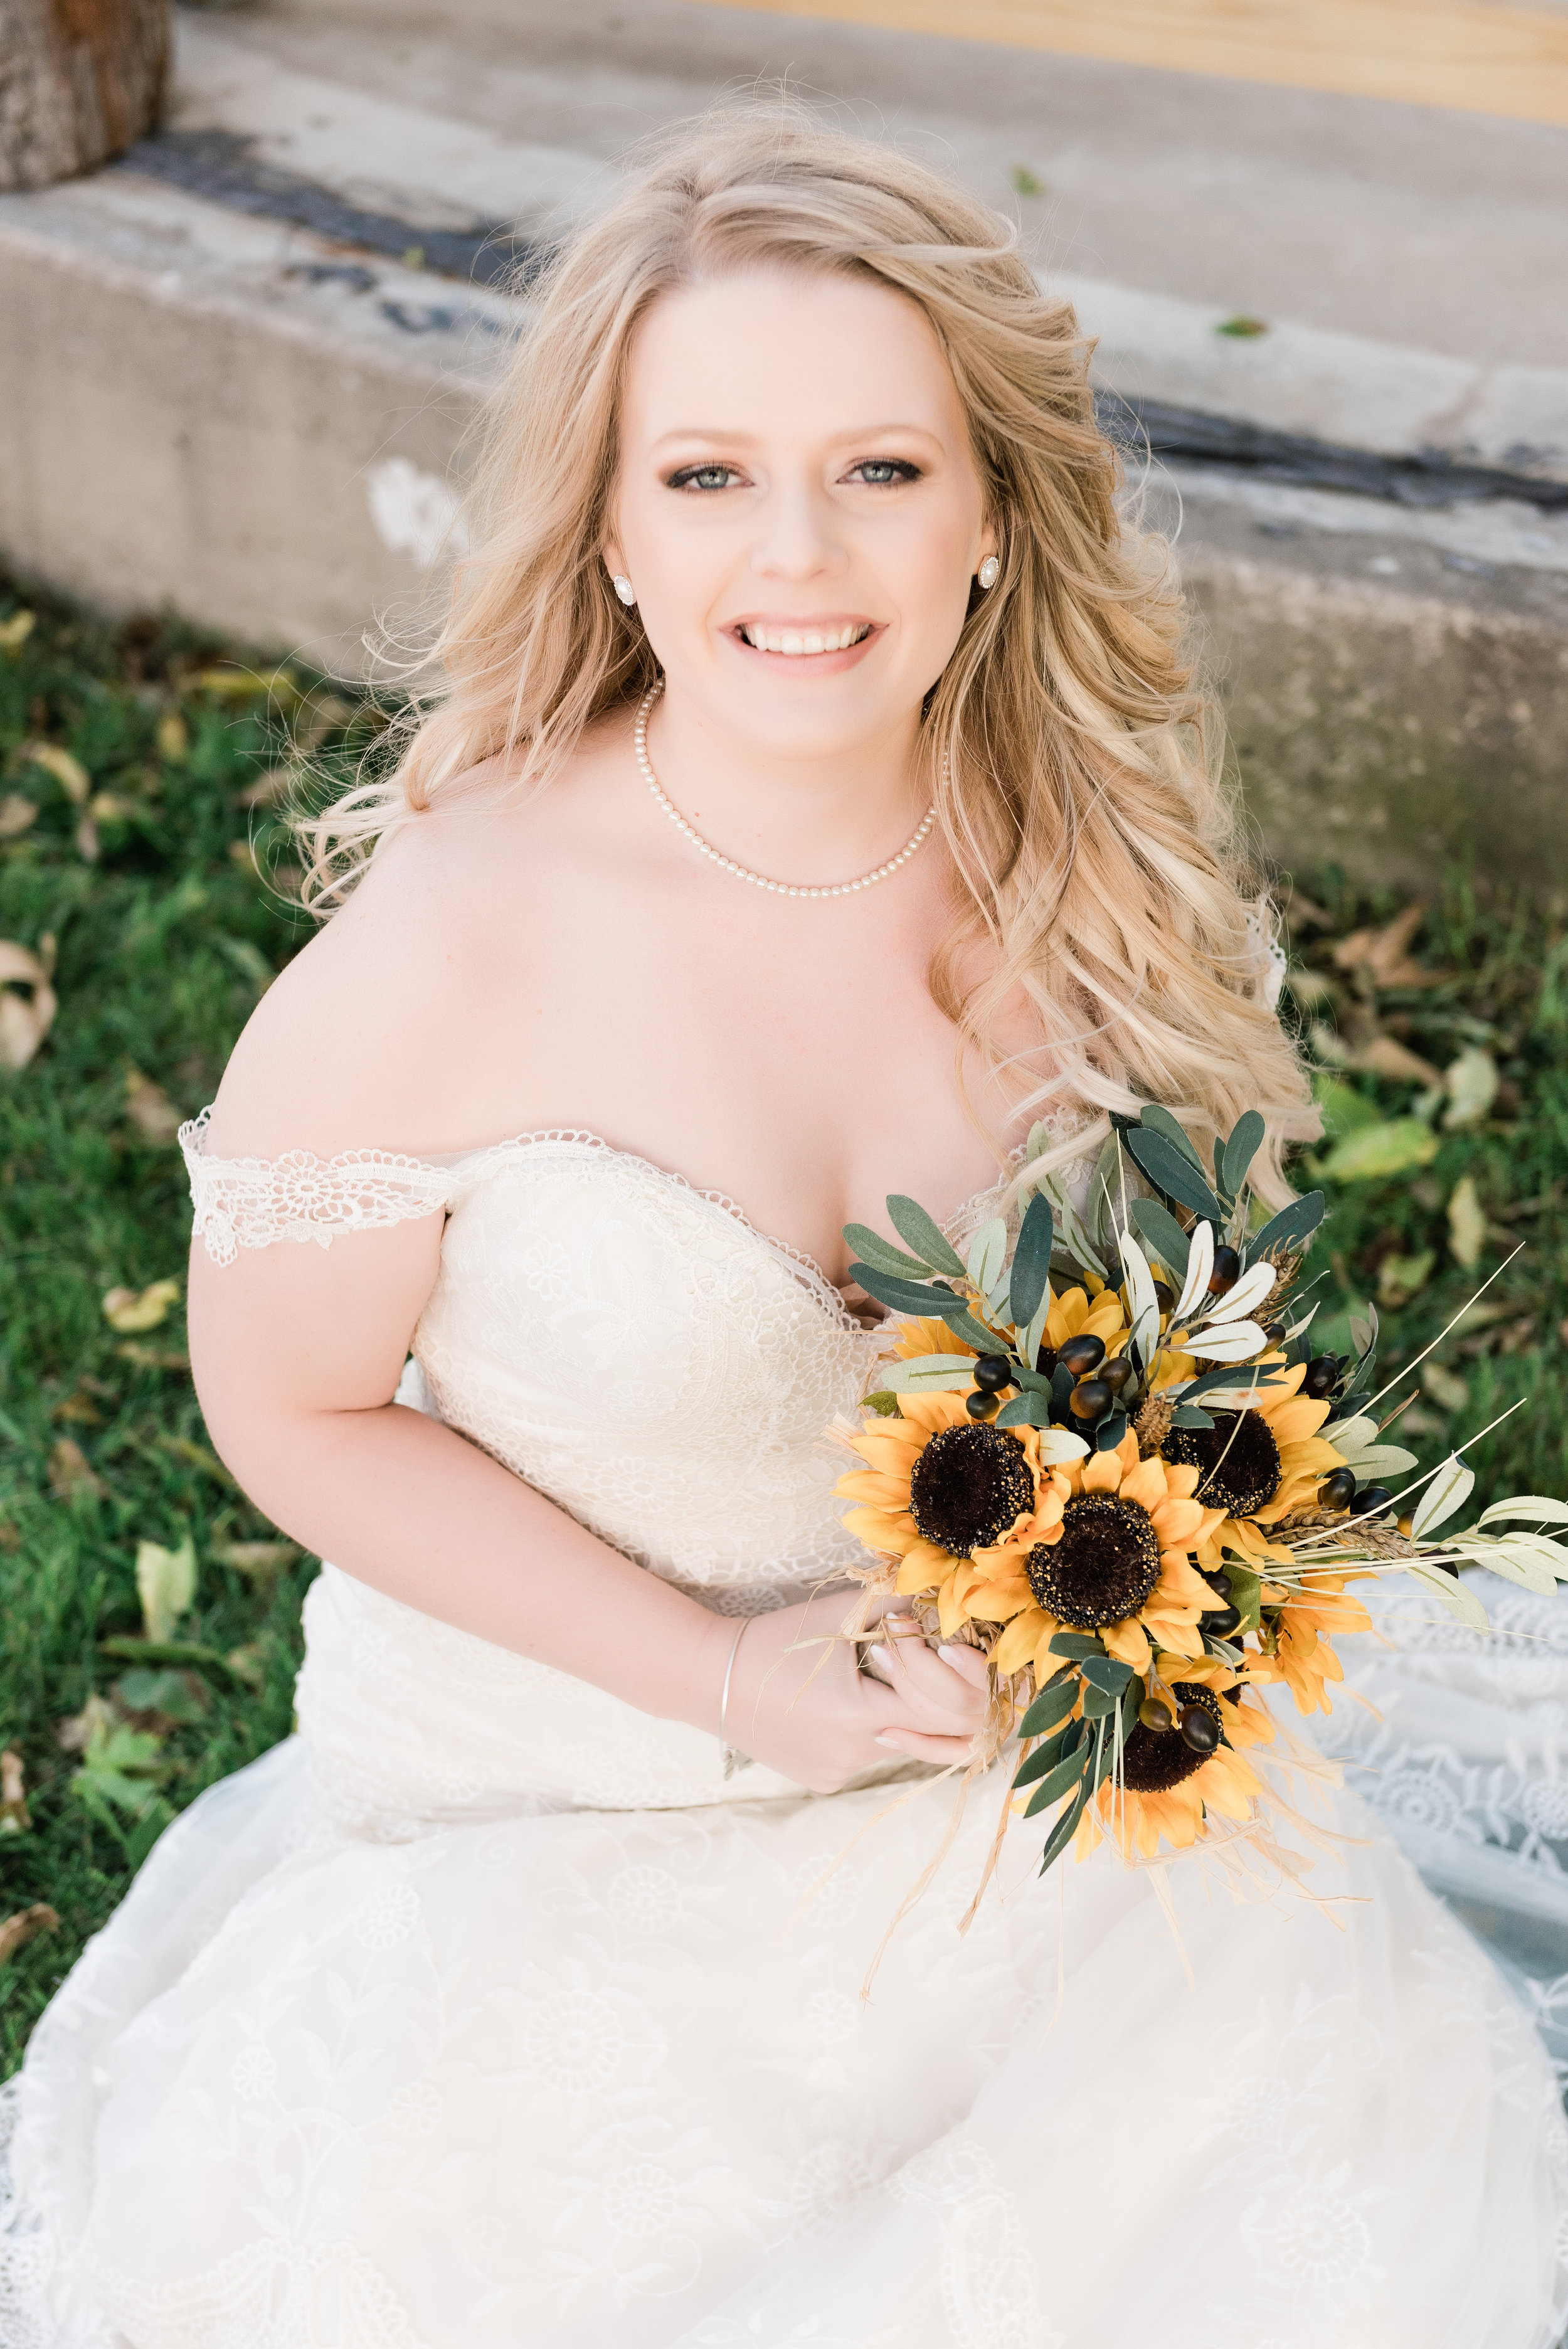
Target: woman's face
column 797, row 507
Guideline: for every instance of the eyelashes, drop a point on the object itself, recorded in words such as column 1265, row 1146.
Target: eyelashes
column 868, row 472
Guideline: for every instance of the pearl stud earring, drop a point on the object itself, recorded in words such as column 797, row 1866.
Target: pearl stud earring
column 624, row 587
column 990, row 572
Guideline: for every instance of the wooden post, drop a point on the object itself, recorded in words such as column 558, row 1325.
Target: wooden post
column 79, row 79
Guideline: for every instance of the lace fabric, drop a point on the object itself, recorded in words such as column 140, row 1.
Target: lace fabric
column 484, row 2010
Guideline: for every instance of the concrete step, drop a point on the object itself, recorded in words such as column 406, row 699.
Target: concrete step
column 246, row 359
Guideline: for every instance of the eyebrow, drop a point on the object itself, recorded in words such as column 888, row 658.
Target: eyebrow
column 739, row 439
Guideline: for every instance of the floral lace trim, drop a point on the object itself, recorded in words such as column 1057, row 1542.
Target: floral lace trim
column 250, row 1202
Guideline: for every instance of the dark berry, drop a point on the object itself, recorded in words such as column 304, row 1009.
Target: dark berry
column 1321, row 1376
column 1081, row 1354
column 1220, row 1622
column 981, row 1406
column 1372, row 1502
column 1338, row 1492
column 1090, row 1398
column 1200, row 1730
column 1164, row 1296
column 1227, row 1271
column 1116, row 1374
column 992, row 1372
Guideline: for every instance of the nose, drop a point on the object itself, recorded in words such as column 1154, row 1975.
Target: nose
column 797, row 535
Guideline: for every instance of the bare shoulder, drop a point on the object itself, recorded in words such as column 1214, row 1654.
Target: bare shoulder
column 368, row 1038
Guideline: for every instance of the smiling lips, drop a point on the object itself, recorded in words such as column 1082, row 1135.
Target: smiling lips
column 796, row 642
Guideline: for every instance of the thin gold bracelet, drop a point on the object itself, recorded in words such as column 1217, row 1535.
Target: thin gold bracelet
column 733, row 1761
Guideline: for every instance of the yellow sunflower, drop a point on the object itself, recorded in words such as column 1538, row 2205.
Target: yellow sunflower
column 1303, row 1657
column 937, row 1488
column 1167, row 1786
column 1107, row 1550
column 1257, row 1466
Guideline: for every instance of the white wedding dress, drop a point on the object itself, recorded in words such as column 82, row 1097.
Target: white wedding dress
column 486, row 2012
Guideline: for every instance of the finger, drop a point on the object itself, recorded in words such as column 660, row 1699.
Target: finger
column 945, row 1692
column 920, row 1746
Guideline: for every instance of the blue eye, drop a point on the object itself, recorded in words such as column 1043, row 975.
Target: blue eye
column 704, row 477
column 883, row 472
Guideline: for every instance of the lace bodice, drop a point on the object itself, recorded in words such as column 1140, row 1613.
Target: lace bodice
column 633, row 1347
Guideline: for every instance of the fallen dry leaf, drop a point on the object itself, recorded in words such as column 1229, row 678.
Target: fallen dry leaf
column 71, row 1472
column 69, row 773
column 15, row 814
column 133, row 1310
column 1383, row 953
column 166, row 1586
column 25, row 1020
column 150, row 1109
column 1467, row 1223
column 15, row 631
column 154, row 1358
column 14, row 1818
column 96, row 1718
column 1385, row 1056
column 259, row 1557
column 1472, row 1082
column 40, row 1918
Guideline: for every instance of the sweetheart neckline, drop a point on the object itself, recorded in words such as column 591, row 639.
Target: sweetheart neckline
column 580, row 1137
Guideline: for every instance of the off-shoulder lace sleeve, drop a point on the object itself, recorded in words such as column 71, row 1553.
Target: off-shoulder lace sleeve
column 250, row 1202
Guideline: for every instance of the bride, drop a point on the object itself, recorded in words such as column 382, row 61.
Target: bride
column 815, row 799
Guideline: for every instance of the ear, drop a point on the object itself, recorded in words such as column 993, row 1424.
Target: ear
column 610, row 556
column 984, row 545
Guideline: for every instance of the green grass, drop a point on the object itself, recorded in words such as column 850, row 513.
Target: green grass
column 162, row 941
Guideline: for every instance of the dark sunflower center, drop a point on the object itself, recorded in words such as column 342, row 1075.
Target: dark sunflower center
column 1155, row 1760
column 968, row 1486
column 1103, row 1568
column 1239, row 1459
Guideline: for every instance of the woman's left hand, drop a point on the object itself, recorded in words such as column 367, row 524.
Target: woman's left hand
column 945, row 1687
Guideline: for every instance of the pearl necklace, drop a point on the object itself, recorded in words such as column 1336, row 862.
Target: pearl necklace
column 916, row 840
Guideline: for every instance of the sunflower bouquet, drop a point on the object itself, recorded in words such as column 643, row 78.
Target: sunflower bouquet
column 1103, row 1451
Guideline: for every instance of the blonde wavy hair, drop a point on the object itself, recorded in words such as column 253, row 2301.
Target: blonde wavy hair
column 1081, row 795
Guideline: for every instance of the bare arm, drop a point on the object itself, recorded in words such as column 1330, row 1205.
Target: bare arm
column 297, row 1351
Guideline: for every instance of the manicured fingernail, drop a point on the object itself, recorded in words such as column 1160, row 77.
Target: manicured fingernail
column 950, row 1655
column 885, row 1738
column 881, row 1655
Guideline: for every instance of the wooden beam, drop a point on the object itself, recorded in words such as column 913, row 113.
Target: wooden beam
column 1457, row 54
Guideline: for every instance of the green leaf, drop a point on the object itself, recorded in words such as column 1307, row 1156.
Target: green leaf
column 1062, row 1834
column 1051, row 1707
column 1163, row 1236
column 926, row 1237
column 928, row 1373
column 881, row 1254
column 987, row 1255
column 1246, row 1137
column 1032, row 1261
column 1057, row 1783
column 1154, row 1115
column 885, row 1404
column 1076, row 1644
column 1174, row 1175
column 1379, row 1151
column 1024, row 1410
column 1187, row 1414
column 1110, row 1430
column 1097, row 1701
column 902, row 1296
column 974, row 1333
column 1292, row 1227
column 1246, row 1594
column 1044, row 1757
column 1106, row 1672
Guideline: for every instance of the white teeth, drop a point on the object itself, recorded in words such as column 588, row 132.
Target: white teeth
column 793, row 642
